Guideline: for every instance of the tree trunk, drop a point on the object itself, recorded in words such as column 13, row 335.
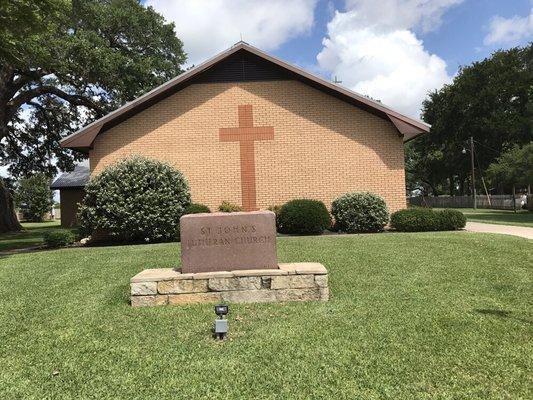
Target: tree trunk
column 8, row 218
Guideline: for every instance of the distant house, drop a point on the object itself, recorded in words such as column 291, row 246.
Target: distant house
column 71, row 191
column 251, row 129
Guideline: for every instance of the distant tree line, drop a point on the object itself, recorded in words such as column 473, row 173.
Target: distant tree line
column 491, row 101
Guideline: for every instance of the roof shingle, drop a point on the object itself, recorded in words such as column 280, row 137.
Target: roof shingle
column 78, row 178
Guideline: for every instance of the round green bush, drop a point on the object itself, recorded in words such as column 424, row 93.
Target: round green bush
column 197, row 208
column 304, row 217
column 415, row 220
column 228, row 207
column 426, row 219
column 451, row 220
column 136, row 199
column 360, row 212
column 58, row 238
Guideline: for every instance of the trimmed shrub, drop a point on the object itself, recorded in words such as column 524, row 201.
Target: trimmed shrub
column 426, row 219
column 275, row 210
column 360, row 212
column 451, row 220
column 136, row 199
column 415, row 220
column 228, row 207
column 196, row 208
column 58, row 238
column 303, row 216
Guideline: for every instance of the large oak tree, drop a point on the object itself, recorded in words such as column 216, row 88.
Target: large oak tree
column 65, row 63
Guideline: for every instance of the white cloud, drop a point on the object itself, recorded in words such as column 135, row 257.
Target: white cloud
column 401, row 14
column 210, row 26
column 510, row 30
column 373, row 48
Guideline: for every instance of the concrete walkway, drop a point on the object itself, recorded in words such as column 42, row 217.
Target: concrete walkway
column 522, row 231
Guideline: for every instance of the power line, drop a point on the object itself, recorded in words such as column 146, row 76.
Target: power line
column 488, row 147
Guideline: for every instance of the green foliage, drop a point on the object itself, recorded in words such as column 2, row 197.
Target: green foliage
column 304, row 217
column 426, row 219
column 57, row 56
column 196, row 208
column 23, row 23
column 514, row 167
column 136, row 199
column 275, row 209
column 58, row 238
column 414, row 220
column 451, row 220
column 34, row 197
column 228, row 207
column 360, row 212
column 490, row 100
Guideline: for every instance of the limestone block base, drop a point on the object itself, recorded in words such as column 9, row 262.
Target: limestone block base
column 290, row 282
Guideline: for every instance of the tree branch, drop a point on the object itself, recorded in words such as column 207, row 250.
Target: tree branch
column 31, row 94
column 25, row 77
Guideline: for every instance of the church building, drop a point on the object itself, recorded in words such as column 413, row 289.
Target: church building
column 248, row 128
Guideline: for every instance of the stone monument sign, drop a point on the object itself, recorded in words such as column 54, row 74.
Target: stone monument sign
column 230, row 258
column 228, row 241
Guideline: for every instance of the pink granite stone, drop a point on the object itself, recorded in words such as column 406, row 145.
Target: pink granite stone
column 228, row 241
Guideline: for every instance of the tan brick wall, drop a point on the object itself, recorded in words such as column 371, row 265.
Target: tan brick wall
column 323, row 147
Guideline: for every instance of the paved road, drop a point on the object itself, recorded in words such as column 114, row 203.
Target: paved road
column 522, row 231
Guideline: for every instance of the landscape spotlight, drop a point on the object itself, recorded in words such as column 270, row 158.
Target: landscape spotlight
column 221, row 310
column 221, row 324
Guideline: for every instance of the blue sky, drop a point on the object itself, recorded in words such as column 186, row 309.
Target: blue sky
column 392, row 50
column 459, row 40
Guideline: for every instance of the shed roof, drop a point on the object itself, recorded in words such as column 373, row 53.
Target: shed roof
column 83, row 139
column 76, row 179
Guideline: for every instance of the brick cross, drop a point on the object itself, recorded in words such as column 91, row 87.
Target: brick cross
column 246, row 134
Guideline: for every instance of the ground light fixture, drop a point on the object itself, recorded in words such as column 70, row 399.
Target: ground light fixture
column 221, row 323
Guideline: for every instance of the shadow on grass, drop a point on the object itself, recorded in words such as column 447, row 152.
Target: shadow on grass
column 500, row 314
column 520, row 218
column 119, row 295
column 29, row 237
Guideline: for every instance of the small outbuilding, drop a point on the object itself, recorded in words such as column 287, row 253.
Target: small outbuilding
column 71, row 186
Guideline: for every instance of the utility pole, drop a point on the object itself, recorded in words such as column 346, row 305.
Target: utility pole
column 473, row 173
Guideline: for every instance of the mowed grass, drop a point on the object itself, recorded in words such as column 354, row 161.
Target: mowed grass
column 500, row 217
column 32, row 235
column 411, row 316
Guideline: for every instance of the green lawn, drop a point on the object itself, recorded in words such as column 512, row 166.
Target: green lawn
column 500, row 217
column 32, row 235
column 430, row 315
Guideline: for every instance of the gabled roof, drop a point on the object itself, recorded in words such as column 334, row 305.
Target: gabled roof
column 82, row 140
column 76, row 179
